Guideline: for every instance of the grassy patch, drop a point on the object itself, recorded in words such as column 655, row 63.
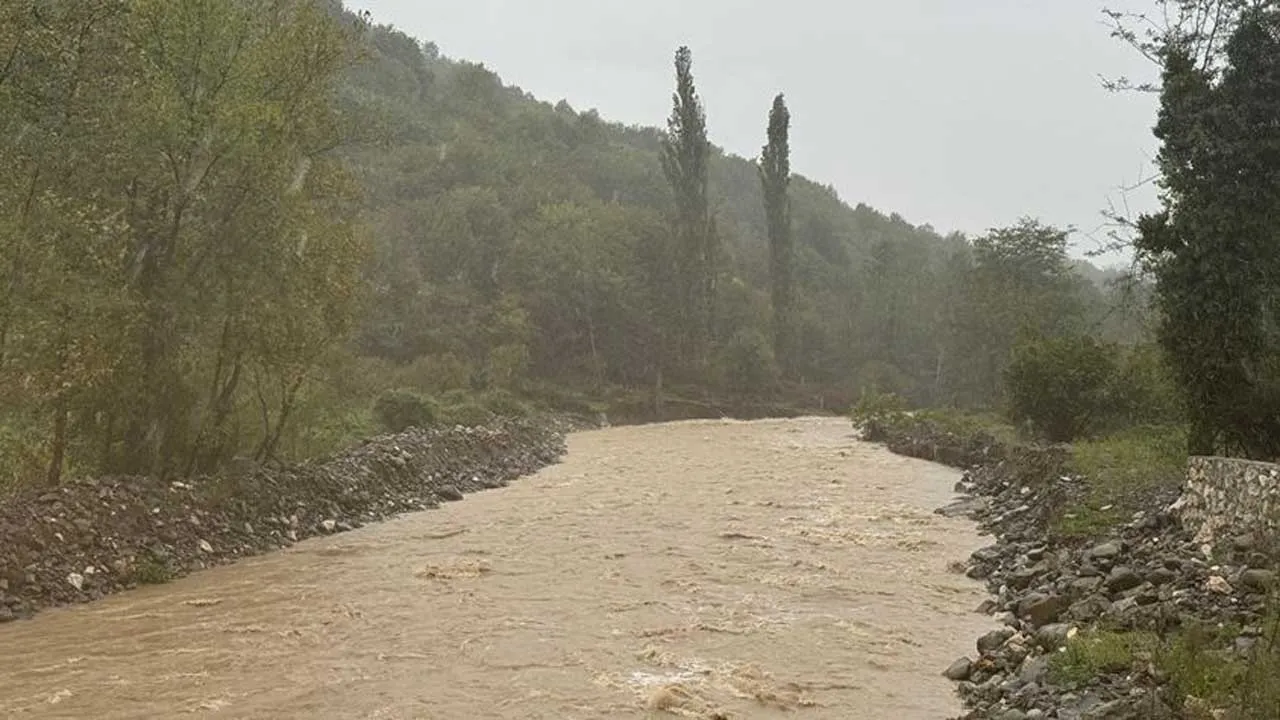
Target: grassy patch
column 151, row 570
column 1122, row 471
column 1093, row 654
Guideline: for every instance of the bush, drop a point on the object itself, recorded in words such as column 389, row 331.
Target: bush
column 1061, row 385
column 503, row 404
column 878, row 407
column 747, row 365
column 1144, row 391
column 467, row 413
column 399, row 410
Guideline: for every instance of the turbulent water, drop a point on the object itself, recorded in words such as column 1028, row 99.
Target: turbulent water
column 702, row 569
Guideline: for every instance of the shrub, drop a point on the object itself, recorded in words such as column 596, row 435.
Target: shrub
column 468, row 413
column 399, row 410
column 1061, row 385
column 747, row 364
column 878, row 407
column 503, row 404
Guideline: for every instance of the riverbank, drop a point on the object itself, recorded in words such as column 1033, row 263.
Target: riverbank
column 1108, row 615
column 92, row 537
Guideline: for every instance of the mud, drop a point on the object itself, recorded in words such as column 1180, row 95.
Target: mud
column 701, row 569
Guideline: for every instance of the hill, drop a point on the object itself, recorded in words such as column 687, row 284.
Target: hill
column 518, row 236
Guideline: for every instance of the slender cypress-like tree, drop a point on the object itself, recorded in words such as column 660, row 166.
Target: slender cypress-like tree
column 685, row 157
column 775, row 178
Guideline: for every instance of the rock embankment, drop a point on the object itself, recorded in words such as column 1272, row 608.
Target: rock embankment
column 1148, row 578
column 92, row 537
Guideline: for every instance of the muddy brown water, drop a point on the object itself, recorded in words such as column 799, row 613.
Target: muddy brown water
column 700, row 569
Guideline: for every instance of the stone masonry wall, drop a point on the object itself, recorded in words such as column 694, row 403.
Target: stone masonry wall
column 1227, row 495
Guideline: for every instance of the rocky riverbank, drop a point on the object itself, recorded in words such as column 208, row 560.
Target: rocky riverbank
column 92, row 537
column 1098, row 628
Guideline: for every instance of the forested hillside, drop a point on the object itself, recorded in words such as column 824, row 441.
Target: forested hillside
column 516, row 236
column 243, row 229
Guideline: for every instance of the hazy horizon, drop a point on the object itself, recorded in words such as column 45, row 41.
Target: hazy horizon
column 959, row 118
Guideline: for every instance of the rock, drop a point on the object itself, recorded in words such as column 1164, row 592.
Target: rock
column 1122, row 578
column 1161, row 576
column 329, row 525
column 960, row 670
column 1053, row 636
column 1085, row 586
column 1258, row 580
column 1034, row 669
column 6, row 614
column 1040, row 610
column 205, row 547
column 1115, row 710
column 75, row 580
column 994, row 640
column 449, row 493
column 1012, row 714
column 1089, row 609
column 1218, row 585
column 1105, row 551
column 1022, row 578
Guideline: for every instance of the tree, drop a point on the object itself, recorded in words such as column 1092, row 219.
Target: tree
column 1214, row 248
column 775, row 178
column 1020, row 280
column 685, row 157
column 1060, row 384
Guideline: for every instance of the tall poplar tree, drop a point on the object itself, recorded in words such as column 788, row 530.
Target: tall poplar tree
column 775, row 178
column 685, row 158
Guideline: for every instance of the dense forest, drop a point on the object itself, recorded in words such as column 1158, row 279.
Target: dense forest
column 234, row 229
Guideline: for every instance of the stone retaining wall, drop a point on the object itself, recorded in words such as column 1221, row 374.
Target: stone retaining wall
column 1228, row 495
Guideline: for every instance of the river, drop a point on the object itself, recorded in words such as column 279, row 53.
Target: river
column 705, row 569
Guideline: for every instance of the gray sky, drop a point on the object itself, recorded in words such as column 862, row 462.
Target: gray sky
column 964, row 114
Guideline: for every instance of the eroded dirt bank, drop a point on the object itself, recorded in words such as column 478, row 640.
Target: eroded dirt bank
column 711, row 569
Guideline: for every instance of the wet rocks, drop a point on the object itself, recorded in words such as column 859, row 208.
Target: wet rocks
column 92, row 537
column 1151, row 573
column 959, row 670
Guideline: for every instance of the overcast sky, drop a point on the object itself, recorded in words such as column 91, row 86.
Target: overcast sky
column 964, row 114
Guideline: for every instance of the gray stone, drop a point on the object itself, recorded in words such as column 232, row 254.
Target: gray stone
column 1040, row 610
column 1034, row 669
column 1123, row 578
column 1090, row 608
column 1022, row 578
column 1085, row 586
column 1053, row 636
column 994, row 640
column 1105, row 551
column 449, row 493
column 960, row 670
column 1258, row 580
column 1161, row 576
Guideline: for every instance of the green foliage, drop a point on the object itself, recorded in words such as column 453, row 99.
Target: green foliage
column 1213, row 249
column 504, row 404
column 1019, row 281
column 1143, row 391
column 879, row 407
column 686, row 153
column 1207, row 674
column 176, row 248
column 747, row 364
column 775, row 181
column 1122, row 471
column 1090, row 655
column 1060, row 385
column 399, row 410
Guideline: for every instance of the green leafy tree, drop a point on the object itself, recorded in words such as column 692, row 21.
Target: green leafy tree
column 775, row 178
column 1060, row 385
